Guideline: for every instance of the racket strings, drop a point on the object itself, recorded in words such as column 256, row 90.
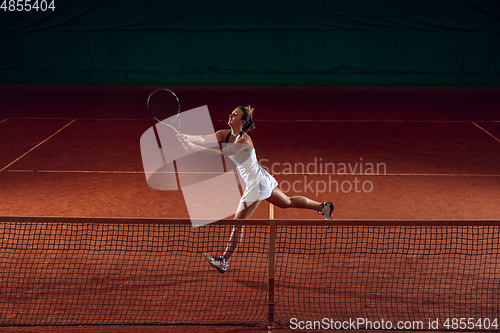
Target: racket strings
column 164, row 106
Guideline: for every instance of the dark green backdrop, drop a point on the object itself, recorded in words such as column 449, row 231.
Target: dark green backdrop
column 355, row 42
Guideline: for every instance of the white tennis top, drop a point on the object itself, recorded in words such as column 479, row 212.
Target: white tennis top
column 259, row 183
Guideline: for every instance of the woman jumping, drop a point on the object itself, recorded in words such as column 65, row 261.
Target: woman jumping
column 260, row 185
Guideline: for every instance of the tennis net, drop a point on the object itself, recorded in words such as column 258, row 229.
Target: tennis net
column 91, row 271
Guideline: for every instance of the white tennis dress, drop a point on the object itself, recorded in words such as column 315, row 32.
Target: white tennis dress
column 259, row 183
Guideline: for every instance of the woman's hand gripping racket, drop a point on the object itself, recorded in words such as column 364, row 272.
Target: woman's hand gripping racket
column 164, row 106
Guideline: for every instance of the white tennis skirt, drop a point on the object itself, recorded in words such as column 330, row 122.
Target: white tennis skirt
column 259, row 190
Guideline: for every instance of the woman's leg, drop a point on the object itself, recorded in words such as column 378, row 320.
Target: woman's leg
column 243, row 212
column 281, row 200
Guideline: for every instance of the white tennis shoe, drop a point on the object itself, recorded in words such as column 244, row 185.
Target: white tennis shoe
column 218, row 263
column 327, row 210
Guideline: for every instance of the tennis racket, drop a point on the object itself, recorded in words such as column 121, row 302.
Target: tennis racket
column 164, row 106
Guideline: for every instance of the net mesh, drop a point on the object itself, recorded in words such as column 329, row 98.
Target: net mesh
column 402, row 273
column 89, row 274
column 112, row 273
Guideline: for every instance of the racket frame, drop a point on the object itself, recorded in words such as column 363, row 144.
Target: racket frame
column 177, row 117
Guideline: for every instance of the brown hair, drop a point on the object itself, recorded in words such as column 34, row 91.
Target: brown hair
column 247, row 117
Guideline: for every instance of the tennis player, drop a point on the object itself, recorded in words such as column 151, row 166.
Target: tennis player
column 260, row 185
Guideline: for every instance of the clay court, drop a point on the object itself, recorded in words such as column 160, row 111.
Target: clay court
column 86, row 241
column 389, row 109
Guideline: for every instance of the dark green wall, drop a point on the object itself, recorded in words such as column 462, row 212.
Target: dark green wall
column 355, row 42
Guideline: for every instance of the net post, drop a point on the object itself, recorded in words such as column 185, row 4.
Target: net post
column 270, row 269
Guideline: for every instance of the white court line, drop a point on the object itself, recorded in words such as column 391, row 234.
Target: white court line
column 73, row 118
column 81, row 171
column 271, row 211
column 38, row 145
column 372, row 121
column 4, row 120
column 389, row 174
column 279, row 174
column 288, row 120
column 485, row 131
